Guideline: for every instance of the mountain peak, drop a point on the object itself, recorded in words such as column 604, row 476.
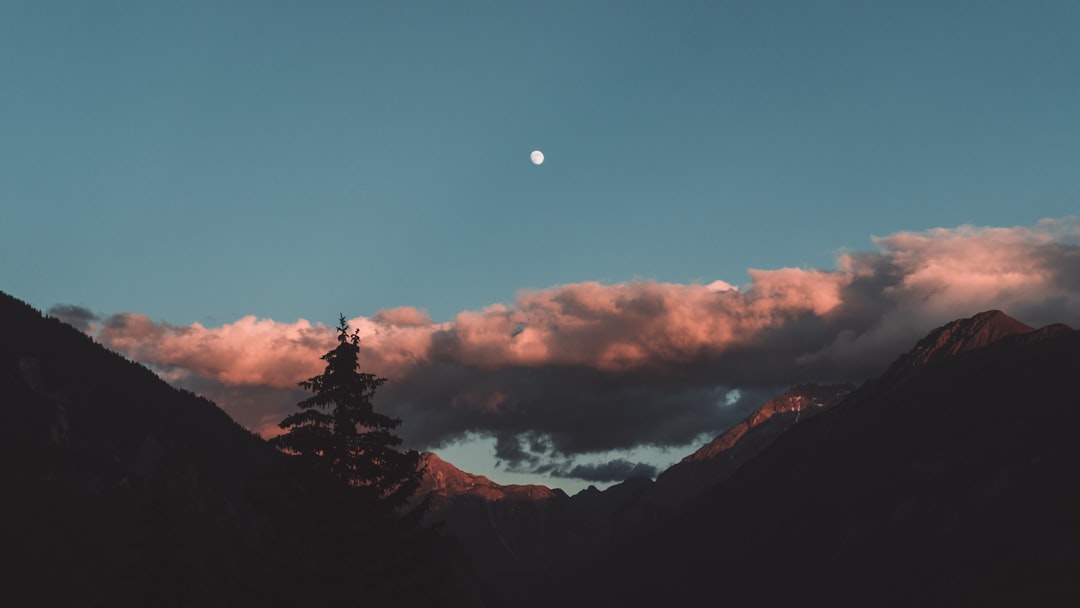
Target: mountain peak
column 964, row 335
column 793, row 402
column 446, row 481
column 721, row 457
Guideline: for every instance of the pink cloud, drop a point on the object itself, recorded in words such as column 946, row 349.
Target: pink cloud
column 404, row 316
column 950, row 269
column 598, row 366
column 249, row 351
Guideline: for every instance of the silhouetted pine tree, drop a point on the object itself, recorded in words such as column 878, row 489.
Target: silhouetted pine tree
column 367, row 538
column 339, row 433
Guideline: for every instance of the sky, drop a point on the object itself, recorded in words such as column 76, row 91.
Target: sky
column 736, row 197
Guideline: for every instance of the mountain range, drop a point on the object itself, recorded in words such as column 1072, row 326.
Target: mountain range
column 520, row 528
column 946, row 480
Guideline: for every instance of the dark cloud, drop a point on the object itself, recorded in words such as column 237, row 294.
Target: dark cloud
column 540, row 459
column 619, row 469
column 117, row 321
column 535, row 412
column 76, row 316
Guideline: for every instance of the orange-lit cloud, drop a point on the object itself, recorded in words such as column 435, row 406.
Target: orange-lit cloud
column 593, row 367
column 249, row 351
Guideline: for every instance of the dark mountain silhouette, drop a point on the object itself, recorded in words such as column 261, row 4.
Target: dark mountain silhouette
column 518, row 529
column 445, row 483
column 721, row 457
column 961, row 336
column 946, row 481
column 120, row 490
column 629, row 509
column 509, row 528
column 524, row 528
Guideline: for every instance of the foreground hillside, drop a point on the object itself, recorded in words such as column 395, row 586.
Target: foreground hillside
column 120, row 490
column 946, row 481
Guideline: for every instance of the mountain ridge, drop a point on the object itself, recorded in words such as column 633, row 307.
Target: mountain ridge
column 943, row 485
column 719, row 458
column 444, row 481
column 963, row 335
column 122, row 490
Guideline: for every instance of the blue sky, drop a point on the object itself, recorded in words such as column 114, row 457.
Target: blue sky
column 203, row 161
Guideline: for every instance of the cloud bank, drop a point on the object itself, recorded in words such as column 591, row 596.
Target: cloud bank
column 79, row 317
column 589, row 368
column 613, row 470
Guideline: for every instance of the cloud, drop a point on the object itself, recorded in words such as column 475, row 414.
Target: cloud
column 249, row 352
column 82, row 319
column 404, row 316
column 619, row 469
column 587, row 368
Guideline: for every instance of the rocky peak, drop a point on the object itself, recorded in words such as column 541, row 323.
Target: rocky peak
column 444, row 480
column 961, row 336
column 797, row 400
column 722, row 456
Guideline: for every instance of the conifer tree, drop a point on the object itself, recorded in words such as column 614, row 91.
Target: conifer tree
column 366, row 540
column 338, row 431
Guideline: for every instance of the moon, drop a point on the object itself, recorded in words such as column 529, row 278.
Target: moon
column 537, row 157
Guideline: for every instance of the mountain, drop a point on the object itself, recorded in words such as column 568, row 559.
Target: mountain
column 446, row 483
column 113, row 478
column 120, row 490
column 520, row 528
column 945, row 481
column 718, row 459
column 961, row 336
column 509, row 528
column 631, row 508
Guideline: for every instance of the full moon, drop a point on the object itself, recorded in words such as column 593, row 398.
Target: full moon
column 537, row 157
